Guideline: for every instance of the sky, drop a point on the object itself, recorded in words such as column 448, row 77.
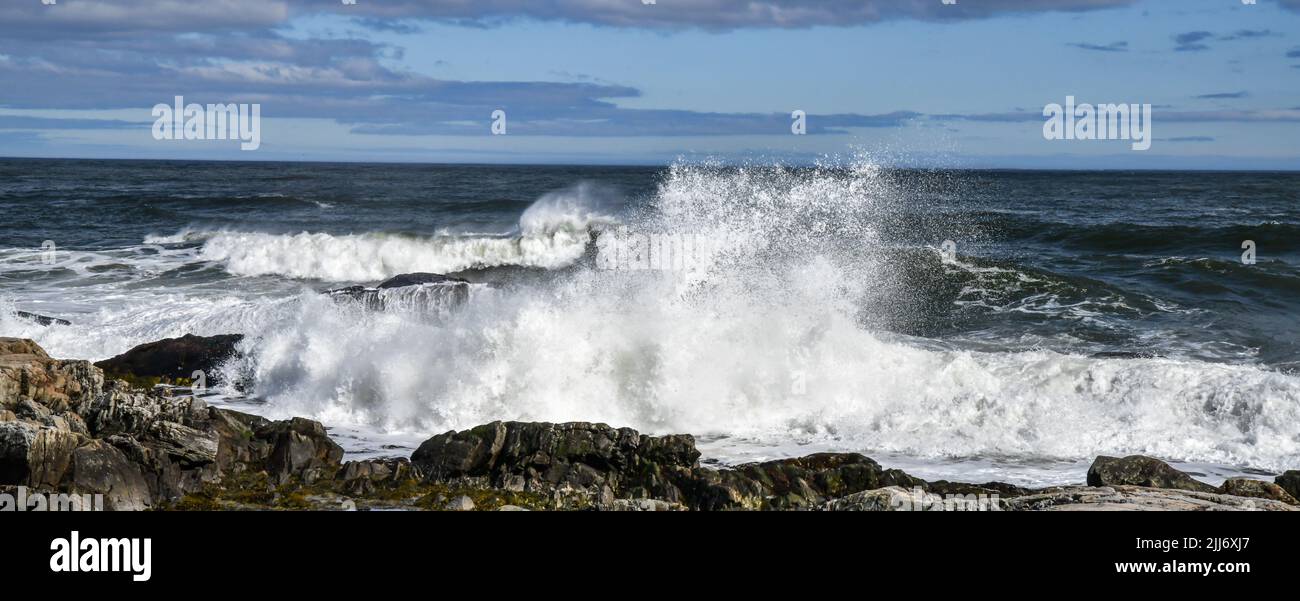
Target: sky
column 901, row 82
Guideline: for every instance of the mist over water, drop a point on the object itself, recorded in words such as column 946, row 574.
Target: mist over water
column 818, row 312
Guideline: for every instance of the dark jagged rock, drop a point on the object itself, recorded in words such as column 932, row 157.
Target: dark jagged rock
column 802, row 482
column 418, row 279
column 1001, row 489
column 173, row 360
column 42, row 319
column 21, row 346
column 592, row 461
column 419, row 291
column 1124, row 355
column 366, row 477
column 32, row 411
column 917, row 498
column 299, row 449
column 1290, row 482
column 27, row 373
column 63, row 430
column 599, row 464
column 100, row 468
column 1246, row 487
column 1138, row 470
column 34, row 455
column 1136, row 498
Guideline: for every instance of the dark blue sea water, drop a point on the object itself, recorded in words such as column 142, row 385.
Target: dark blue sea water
column 991, row 324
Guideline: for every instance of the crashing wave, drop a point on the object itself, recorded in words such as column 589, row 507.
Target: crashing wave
column 554, row 232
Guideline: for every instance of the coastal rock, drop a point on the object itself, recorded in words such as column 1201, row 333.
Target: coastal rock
column 418, row 279
column 173, row 360
column 377, row 470
column 21, row 346
column 188, row 446
column 100, row 468
column 917, row 498
column 63, row 429
column 36, row 456
column 596, row 461
column 430, row 292
column 299, row 448
column 1290, row 482
column 32, row 411
column 461, row 503
column 366, row 477
column 890, row 498
column 988, row 489
column 803, row 482
column 167, row 476
column 1245, row 487
column 119, row 410
column 643, row 505
column 604, row 465
column 42, row 319
column 27, row 373
column 1136, row 498
column 1139, row 470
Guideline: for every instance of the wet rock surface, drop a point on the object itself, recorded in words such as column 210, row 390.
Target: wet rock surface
column 580, row 462
column 64, row 429
column 44, row 320
column 1137, row 470
column 1290, row 482
column 431, row 292
column 173, row 360
column 1137, row 498
column 1245, row 487
column 417, row 279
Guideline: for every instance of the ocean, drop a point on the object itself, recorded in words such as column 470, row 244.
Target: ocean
column 968, row 325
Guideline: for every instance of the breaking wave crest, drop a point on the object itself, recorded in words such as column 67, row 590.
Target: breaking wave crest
column 777, row 340
column 554, row 232
column 810, row 322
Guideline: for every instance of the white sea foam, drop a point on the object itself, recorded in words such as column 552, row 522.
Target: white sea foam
column 553, row 232
column 765, row 347
column 768, row 347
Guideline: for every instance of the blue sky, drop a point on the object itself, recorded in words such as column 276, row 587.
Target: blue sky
column 908, row 82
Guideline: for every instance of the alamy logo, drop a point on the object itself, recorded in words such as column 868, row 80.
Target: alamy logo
column 631, row 251
column 25, row 501
column 212, row 122
column 49, row 252
column 920, row 500
column 1100, row 122
column 74, row 554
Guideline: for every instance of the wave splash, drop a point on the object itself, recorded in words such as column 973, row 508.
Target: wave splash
column 782, row 337
column 553, row 232
column 775, row 340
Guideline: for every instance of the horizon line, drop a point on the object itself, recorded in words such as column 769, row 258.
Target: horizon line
column 656, row 165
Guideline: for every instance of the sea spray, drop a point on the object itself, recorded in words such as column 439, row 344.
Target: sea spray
column 553, row 232
column 821, row 318
column 772, row 342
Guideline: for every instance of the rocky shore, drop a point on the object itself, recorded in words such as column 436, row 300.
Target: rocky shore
column 65, row 428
